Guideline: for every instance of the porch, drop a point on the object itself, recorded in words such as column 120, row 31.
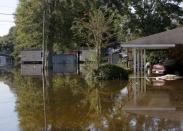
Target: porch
column 164, row 40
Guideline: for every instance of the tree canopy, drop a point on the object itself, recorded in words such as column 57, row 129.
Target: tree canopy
column 131, row 19
column 153, row 16
column 7, row 42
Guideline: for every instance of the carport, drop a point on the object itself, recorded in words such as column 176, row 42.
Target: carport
column 164, row 40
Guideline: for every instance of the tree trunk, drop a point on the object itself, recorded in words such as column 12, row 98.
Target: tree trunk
column 50, row 55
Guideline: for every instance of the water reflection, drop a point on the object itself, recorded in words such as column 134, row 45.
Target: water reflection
column 8, row 117
column 68, row 102
column 31, row 69
column 137, row 86
column 156, row 108
column 65, row 68
column 73, row 104
column 36, row 69
column 160, row 81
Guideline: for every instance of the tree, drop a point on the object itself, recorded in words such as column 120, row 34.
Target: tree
column 150, row 17
column 7, row 42
column 29, row 24
column 97, row 28
column 59, row 18
column 131, row 19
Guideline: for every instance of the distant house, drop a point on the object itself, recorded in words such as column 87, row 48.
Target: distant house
column 31, row 56
column 5, row 60
column 111, row 54
column 31, row 62
column 65, row 63
column 86, row 55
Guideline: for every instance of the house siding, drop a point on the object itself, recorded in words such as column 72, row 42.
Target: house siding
column 31, row 56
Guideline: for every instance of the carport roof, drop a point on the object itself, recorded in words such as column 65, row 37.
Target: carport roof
column 165, row 39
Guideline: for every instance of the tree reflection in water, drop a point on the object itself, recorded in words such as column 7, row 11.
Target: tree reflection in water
column 71, row 103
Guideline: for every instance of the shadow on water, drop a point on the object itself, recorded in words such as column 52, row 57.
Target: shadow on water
column 67, row 102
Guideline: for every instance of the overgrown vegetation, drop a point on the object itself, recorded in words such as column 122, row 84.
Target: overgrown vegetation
column 130, row 19
column 111, row 72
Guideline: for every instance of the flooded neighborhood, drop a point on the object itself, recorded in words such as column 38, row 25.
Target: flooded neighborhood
column 82, row 65
column 71, row 103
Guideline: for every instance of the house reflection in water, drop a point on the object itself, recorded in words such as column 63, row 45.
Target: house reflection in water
column 159, row 105
column 71, row 104
column 137, row 87
column 158, row 82
column 36, row 69
column 31, row 69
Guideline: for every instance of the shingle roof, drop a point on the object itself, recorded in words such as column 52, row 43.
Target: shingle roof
column 174, row 36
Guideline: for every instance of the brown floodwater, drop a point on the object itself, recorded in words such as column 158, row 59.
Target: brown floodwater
column 71, row 103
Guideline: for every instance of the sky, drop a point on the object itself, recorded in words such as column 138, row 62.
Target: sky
column 7, row 21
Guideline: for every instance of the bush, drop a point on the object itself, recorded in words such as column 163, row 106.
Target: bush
column 111, row 72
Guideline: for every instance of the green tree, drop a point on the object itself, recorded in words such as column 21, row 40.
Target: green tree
column 7, row 42
column 29, row 24
column 150, row 17
column 59, row 18
column 97, row 28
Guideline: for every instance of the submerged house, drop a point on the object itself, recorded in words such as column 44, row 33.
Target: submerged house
column 5, row 60
column 31, row 56
column 65, row 63
column 112, row 54
column 31, row 62
column 86, row 55
column 170, row 39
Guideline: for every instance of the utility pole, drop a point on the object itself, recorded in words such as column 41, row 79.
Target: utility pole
column 44, row 2
column 47, row 45
column 43, row 64
column 43, row 44
column 50, row 33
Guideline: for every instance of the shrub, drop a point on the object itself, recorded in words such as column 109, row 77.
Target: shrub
column 111, row 72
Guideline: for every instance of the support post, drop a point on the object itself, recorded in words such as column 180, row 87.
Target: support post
column 138, row 62
column 134, row 61
column 141, row 61
column 144, row 69
column 144, row 62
